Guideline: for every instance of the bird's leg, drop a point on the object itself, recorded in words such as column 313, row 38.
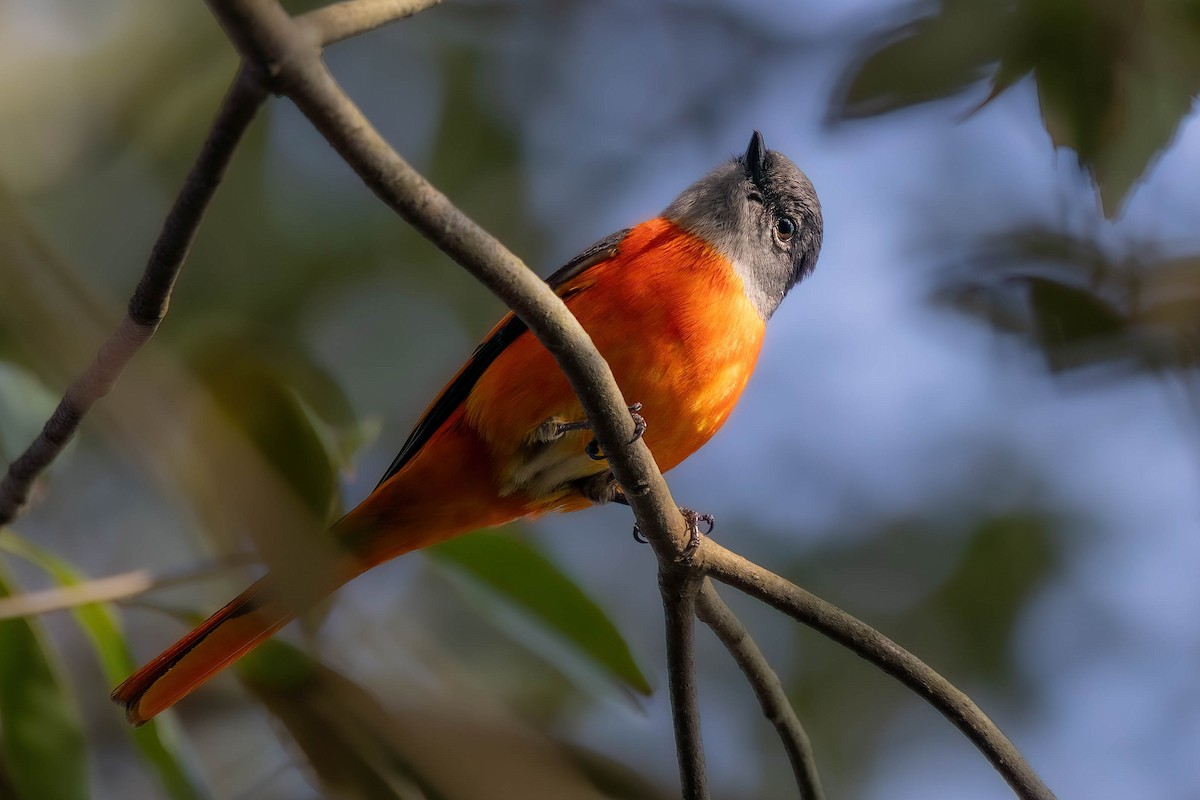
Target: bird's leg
column 693, row 520
column 603, row 488
column 552, row 430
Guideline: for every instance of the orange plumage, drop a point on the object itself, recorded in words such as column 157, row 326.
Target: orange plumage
column 677, row 306
column 671, row 316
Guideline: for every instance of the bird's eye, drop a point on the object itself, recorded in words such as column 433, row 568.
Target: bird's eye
column 785, row 228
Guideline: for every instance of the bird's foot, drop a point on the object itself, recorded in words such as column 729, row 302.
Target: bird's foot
column 552, row 430
column 692, row 519
column 639, row 427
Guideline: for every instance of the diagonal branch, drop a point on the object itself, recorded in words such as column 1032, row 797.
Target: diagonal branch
column 288, row 55
column 714, row 613
column 870, row 644
column 149, row 302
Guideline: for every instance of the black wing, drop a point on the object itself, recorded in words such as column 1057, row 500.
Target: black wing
column 487, row 352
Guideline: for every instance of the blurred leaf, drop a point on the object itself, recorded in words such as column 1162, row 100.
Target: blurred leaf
column 477, row 162
column 159, row 740
column 1081, row 306
column 517, row 572
column 41, row 734
column 615, row 779
column 928, row 59
column 6, row 786
column 1068, row 317
column 1115, row 78
column 41, row 288
column 339, row 727
column 949, row 582
column 430, row 749
column 1007, row 558
column 258, row 391
column 184, row 80
column 25, row 405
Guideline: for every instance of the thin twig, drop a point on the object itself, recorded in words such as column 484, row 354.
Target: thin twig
column 149, row 302
column 718, row 616
column 339, row 21
column 289, row 56
column 114, row 588
column 870, row 644
column 678, row 588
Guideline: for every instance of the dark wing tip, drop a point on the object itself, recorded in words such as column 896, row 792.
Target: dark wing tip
column 123, row 697
column 756, row 158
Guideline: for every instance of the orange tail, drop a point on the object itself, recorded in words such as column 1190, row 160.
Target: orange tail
column 435, row 500
column 224, row 638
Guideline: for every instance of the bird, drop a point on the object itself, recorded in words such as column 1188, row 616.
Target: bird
column 677, row 305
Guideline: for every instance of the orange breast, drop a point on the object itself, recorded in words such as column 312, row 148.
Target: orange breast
column 670, row 316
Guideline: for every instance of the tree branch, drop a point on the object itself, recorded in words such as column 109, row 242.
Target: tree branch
column 679, row 587
column 870, row 644
column 289, row 58
column 718, row 616
column 149, row 302
column 124, row 586
column 339, row 21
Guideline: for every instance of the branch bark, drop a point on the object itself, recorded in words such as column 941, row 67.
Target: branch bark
column 679, row 588
column 150, row 299
column 870, row 644
column 288, row 58
column 776, row 707
column 339, row 21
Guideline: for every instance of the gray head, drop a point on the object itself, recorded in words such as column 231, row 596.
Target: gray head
column 762, row 213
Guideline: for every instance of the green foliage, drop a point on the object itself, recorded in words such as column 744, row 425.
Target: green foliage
column 430, row 747
column 159, row 741
column 341, row 730
column 951, row 592
column 286, row 405
column 1079, row 305
column 1010, row 557
column 520, row 574
column 927, row 59
column 42, row 745
column 1114, row 78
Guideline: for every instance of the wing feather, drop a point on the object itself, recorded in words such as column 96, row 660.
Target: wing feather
column 503, row 335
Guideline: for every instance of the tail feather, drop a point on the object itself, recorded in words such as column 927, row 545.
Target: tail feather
column 374, row 532
column 226, row 636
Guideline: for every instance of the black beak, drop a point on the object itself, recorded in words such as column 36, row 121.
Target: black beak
column 756, row 158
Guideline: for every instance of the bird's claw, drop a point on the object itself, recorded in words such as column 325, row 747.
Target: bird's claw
column 639, row 427
column 692, row 519
column 639, row 422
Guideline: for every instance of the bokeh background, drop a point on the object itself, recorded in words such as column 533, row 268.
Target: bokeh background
column 975, row 426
